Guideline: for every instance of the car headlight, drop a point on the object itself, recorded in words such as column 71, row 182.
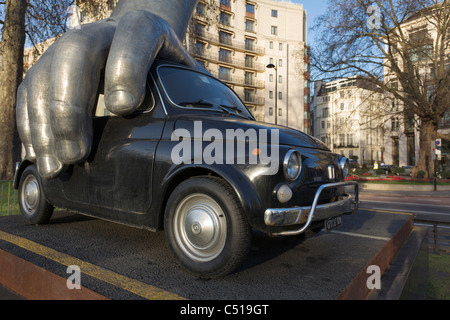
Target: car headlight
column 292, row 164
column 344, row 165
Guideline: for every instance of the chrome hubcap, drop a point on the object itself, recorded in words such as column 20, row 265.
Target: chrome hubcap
column 200, row 227
column 30, row 195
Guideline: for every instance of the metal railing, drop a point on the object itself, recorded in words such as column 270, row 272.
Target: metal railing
column 9, row 200
column 438, row 235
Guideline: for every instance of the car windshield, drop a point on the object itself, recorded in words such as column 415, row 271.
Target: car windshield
column 191, row 89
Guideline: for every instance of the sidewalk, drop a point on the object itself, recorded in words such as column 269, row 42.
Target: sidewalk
column 418, row 193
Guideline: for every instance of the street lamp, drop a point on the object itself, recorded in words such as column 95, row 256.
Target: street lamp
column 272, row 66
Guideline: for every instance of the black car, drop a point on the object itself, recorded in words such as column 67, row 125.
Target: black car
column 194, row 162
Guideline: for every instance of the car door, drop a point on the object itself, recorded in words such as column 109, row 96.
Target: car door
column 118, row 173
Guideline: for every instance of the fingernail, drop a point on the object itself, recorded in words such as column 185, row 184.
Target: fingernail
column 30, row 154
column 120, row 102
column 48, row 167
column 68, row 151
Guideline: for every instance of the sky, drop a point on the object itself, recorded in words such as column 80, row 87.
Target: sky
column 314, row 8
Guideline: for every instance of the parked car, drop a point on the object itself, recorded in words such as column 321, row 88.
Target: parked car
column 169, row 166
column 408, row 171
column 387, row 168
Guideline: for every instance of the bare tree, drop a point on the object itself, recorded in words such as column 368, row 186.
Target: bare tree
column 12, row 45
column 401, row 46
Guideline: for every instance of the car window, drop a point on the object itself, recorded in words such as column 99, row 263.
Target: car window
column 102, row 111
column 190, row 89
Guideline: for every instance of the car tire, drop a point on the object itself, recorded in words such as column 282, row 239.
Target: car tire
column 206, row 228
column 32, row 202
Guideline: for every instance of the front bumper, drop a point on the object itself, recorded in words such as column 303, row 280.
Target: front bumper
column 306, row 215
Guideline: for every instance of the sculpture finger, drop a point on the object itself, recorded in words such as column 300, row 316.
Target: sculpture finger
column 140, row 37
column 42, row 139
column 23, row 122
column 78, row 62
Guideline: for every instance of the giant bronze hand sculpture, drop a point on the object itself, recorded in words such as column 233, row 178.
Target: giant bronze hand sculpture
column 56, row 99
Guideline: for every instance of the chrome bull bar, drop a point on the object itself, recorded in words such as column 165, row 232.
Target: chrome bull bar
column 299, row 215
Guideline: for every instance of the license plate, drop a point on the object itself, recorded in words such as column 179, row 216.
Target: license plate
column 333, row 223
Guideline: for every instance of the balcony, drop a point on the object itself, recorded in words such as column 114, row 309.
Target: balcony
column 239, row 81
column 228, row 60
column 259, row 101
column 228, row 43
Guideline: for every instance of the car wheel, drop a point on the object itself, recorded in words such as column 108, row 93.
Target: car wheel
column 32, row 202
column 206, row 228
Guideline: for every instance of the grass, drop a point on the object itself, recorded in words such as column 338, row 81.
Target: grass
column 8, row 199
column 438, row 276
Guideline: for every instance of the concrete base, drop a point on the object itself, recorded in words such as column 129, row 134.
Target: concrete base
column 326, row 266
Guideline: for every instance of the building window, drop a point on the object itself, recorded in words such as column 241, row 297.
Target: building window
column 225, row 37
column 111, row 4
column 349, row 139
column 199, row 29
column 280, row 112
column 249, row 44
column 250, row 25
column 249, row 61
column 249, row 78
column 250, row 8
column 226, row 2
column 341, row 140
column 270, row 94
column 280, row 62
column 199, row 48
column 201, row 9
column 225, row 55
column 325, row 112
column 271, row 45
column 280, row 96
column 275, row 13
column 270, row 111
column 224, row 73
column 249, row 95
column 274, row 30
column 225, row 18
column 270, row 77
column 280, row 47
column 280, row 79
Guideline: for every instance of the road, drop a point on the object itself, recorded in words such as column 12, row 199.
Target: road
column 424, row 207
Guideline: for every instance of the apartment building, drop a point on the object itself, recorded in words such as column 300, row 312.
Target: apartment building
column 348, row 118
column 402, row 131
column 237, row 40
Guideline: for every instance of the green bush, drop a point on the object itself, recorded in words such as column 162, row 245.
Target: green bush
column 445, row 174
column 398, row 171
column 380, row 171
column 421, row 174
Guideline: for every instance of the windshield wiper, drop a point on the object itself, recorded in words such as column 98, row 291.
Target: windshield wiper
column 208, row 104
column 201, row 103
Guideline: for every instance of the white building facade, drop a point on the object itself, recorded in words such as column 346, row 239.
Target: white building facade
column 348, row 118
